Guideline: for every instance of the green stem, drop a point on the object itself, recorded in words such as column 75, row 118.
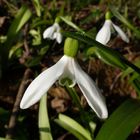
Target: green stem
column 74, row 96
column 83, row 115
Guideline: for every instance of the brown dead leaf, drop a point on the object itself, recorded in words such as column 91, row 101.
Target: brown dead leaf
column 60, row 105
column 2, row 20
column 59, row 92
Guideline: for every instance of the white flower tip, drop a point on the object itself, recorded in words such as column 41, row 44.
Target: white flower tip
column 121, row 33
column 46, row 33
column 59, row 38
column 127, row 40
column 101, row 109
column 23, row 105
column 104, row 114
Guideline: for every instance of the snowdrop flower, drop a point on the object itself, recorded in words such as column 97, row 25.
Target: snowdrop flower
column 68, row 72
column 104, row 34
column 53, row 32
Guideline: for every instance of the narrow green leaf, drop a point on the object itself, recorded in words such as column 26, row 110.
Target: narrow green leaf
column 21, row 18
column 122, row 122
column 136, row 85
column 14, row 49
column 133, row 77
column 37, row 6
column 107, row 57
column 44, row 125
column 125, row 21
column 129, row 70
column 74, row 127
column 70, row 129
column 84, row 38
column 23, row 15
column 70, row 23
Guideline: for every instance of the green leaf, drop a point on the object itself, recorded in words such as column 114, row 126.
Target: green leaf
column 129, row 70
column 110, row 58
column 125, row 21
column 31, row 62
column 122, row 122
column 86, row 39
column 43, row 50
column 73, row 127
column 14, row 49
column 37, row 6
column 23, row 15
column 133, row 77
column 36, row 36
column 44, row 125
column 70, row 23
column 136, row 85
column 2, row 138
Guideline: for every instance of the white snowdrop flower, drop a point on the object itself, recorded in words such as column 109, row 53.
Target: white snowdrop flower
column 67, row 71
column 53, row 32
column 104, row 34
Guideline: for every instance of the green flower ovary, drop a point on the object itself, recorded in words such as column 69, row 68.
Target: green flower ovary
column 108, row 15
column 71, row 47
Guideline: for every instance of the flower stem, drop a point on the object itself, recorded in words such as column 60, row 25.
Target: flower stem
column 74, row 96
column 83, row 115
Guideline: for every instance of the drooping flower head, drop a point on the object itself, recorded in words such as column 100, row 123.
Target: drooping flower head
column 67, row 71
column 104, row 34
column 53, row 32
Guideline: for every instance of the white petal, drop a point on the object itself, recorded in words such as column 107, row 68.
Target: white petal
column 42, row 83
column 91, row 92
column 68, row 71
column 57, row 27
column 48, row 33
column 57, row 35
column 104, row 34
column 59, row 38
column 121, row 33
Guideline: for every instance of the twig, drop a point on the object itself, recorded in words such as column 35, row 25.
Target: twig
column 15, row 111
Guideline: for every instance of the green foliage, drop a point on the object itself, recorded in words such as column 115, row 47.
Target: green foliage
column 37, row 6
column 73, row 127
column 23, row 15
column 22, row 45
column 122, row 122
column 125, row 21
column 44, row 126
column 120, row 61
column 68, row 21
